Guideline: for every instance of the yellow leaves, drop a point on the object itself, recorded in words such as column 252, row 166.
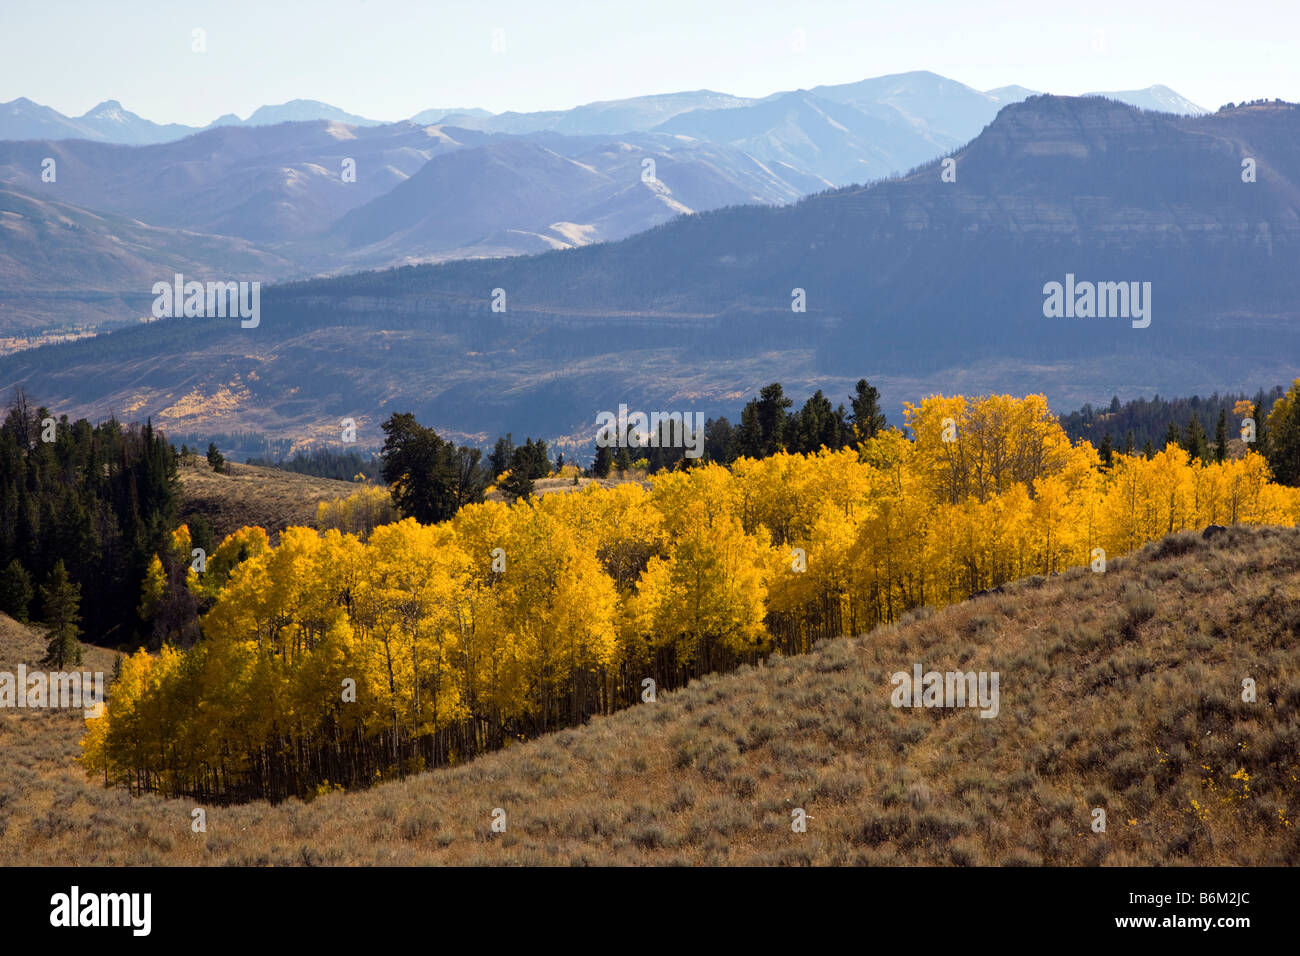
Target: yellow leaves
column 243, row 544
column 981, row 448
column 180, row 543
column 508, row 619
column 708, row 592
column 359, row 513
column 155, row 585
column 713, row 488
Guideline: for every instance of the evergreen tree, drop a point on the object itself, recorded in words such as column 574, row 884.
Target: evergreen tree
column 1221, row 437
column 1283, row 448
column 720, row 441
column 471, row 477
column 518, row 480
column 1106, row 452
column 1128, row 442
column 423, row 471
column 16, row 591
column 502, row 454
column 868, row 421
column 1195, row 441
column 215, row 458
column 535, row 459
column 61, row 600
column 763, row 423
column 202, row 534
column 602, row 462
column 1172, row 437
column 817, row 425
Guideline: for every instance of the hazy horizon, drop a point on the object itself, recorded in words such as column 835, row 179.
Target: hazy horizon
column 388, row 60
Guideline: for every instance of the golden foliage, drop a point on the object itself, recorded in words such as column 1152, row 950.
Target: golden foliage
column 510, row 620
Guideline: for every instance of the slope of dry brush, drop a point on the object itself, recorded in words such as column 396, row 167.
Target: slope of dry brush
column 1119, row 690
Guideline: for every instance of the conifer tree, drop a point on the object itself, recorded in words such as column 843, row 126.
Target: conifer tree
column 1195, row 441
column 868, row 421
column 1283, row 447
column 61, row 599
column 215, row 458
column 16, row 591
column 1221, row 436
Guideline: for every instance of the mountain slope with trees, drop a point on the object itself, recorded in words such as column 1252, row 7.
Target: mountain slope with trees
column 924, row 285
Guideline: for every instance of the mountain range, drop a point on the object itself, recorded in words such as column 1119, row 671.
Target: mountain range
column 919, row 283
column 110, row 122
column 268, row 197
column 267, row 203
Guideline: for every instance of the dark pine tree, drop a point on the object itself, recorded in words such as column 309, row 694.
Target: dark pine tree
column 61, row 599
column 1221, row 436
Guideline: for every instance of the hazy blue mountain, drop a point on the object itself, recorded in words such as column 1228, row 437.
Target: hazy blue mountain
column 875, row 127
column 603, row 118
column 840, row 142
column 1159, row 98
column 301, row 111
column 108, row 122
column 447, row 116
column 918, row 284
column 49, row 247
column 948, row 112
column 942, row 109
column 1011, row 94
column 262, row 183
column 515, row 195
column 281, row 188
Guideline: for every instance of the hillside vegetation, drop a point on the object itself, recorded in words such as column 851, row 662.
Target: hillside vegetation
column 1119, row 690
column 330, row 660
column 249, row 495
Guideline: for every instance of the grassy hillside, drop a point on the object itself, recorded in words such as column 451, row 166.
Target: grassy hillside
column 249, row 495
column 1119, row 690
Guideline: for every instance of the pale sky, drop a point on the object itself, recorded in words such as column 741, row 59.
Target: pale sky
column 389, row 59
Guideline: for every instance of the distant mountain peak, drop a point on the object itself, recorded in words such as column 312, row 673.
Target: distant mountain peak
column 109, row 110
column 1158, row 97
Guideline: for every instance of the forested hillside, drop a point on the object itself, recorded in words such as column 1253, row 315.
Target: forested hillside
column 1120, row 691
column 330, row 661
column 102, row 499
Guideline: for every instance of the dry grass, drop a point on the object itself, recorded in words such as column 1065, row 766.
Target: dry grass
column 274, row 499
column 249, row 495
column 552, row 486
column 1118, row 690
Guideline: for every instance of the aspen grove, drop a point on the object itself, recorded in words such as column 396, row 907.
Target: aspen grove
column 330, row 660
